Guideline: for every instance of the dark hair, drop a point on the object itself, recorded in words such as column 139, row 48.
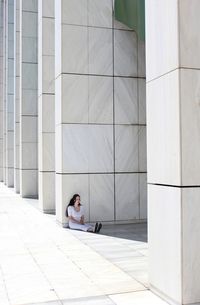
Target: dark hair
column 71, row 203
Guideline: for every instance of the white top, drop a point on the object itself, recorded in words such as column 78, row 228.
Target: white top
column 76, row 215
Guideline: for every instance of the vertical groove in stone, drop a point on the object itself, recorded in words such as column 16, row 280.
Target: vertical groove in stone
column 9, row 109
column 1, row 89
column 46, row 105
column 4, row 87
column 28, row 120
column 17, row 97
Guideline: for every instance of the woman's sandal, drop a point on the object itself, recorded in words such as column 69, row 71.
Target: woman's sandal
column 99, row 228
column 96, row 227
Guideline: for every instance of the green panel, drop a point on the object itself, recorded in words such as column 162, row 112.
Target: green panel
column 131, row 13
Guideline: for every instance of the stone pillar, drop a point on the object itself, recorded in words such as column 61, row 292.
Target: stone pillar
column 1, row 90
column 5, row 14
column 84, row 108
column 97, row 113
column 46, row 109
column 10, row 96
column 28, row 99
column 173, row 146
column 129, row 125
column 17, row 97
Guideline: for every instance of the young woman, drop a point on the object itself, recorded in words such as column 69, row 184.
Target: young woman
column 75, row 213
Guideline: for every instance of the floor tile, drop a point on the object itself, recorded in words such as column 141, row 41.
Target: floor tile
column 42, row 263
column 137, row 298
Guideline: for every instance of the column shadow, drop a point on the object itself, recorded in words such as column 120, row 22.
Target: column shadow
column 136, row 231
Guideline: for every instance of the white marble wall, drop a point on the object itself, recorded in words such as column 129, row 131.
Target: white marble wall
column 46, row 101
column 100, row 113
column 17, row 97
column 28, row 98
column 1, row 91
column 173, row 145
column 9, row 109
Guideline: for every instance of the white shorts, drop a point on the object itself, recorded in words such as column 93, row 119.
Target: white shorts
column 77, row 226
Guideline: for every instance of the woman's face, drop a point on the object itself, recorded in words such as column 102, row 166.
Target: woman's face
column 77, row 201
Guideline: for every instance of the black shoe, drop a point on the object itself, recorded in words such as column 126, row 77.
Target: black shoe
column 96, row 227
column 99, row 227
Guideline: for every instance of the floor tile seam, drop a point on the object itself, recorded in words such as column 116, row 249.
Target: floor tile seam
column 112, row 263
column 106, row 240
column 101, row 254
column 107, row 295
column 121, row 262
column 5, row 286
column 24, row 214
column 143, row 284
column 136, row 249
column 88, row 276
column 133, row 272
column 112, row 247
column 53, row 302
column 131, row 277
column 126, row 272
column 71, row 260
column 129, row 252
column 117, row 267
column 92, row 249
column 84, row 273
column 46, row 278
column 128, row 292
column 18, row 233
column 75, row 300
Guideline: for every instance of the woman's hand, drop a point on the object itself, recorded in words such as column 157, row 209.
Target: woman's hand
column 82, row 220
column 74, row 220
column 79, row 222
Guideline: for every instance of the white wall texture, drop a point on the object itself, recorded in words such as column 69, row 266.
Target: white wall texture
column 100, row 113
column 93, row 134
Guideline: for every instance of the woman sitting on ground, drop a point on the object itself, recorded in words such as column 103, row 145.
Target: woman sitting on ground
column 75, row 213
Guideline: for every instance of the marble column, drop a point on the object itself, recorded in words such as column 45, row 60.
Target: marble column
column 28, row 99
column 97, row 113
column 173, row 146
column 84, row 127
column 46, row 109
column 5, row 16
column 17, row 97
column 129, row 125
column 1, row 90
column 10, row 96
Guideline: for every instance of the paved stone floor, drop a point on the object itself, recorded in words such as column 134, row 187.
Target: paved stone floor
column 42, row 263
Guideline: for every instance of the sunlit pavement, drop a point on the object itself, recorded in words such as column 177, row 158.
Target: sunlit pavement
column 42, row 263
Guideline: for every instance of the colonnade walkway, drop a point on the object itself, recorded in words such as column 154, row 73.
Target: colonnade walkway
column 43, row 263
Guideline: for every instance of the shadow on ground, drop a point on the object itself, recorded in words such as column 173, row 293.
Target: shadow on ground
column 136, row 231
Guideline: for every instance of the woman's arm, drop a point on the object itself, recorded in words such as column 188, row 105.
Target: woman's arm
column 74, row 220
column 70, row 217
